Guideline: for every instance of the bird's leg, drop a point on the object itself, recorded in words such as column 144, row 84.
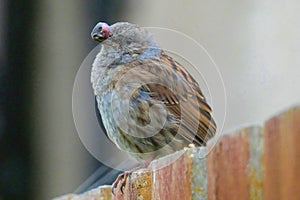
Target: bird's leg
column 123, row 176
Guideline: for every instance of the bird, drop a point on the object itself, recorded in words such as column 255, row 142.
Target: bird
column 150, row 105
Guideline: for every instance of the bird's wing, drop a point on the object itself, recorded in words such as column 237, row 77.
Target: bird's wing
column 168, row 82
column 196, row 108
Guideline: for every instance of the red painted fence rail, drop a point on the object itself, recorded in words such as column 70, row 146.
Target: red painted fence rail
column 250, row 164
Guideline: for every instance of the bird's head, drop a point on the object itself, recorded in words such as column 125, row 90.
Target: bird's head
column 101, row 32
column 124, row 36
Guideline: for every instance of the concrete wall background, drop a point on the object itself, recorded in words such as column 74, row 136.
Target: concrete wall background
column 58, row 151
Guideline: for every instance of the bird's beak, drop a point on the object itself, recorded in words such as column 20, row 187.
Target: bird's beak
column 97, row 38
column 97, row 35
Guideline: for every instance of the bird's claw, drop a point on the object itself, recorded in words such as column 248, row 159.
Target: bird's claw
column 121, row 178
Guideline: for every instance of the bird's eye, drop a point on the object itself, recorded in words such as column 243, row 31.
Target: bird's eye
column 100, row 28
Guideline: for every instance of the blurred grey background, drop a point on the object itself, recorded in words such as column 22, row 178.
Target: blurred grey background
column 256, row 45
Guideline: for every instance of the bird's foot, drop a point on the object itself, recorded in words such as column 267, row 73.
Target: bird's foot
column 122, row 178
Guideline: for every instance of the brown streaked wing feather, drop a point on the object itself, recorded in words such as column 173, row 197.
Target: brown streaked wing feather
column 207, row 126
column 196, row 110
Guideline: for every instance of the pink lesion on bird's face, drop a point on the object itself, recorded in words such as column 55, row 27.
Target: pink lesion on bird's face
column 105, row 31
